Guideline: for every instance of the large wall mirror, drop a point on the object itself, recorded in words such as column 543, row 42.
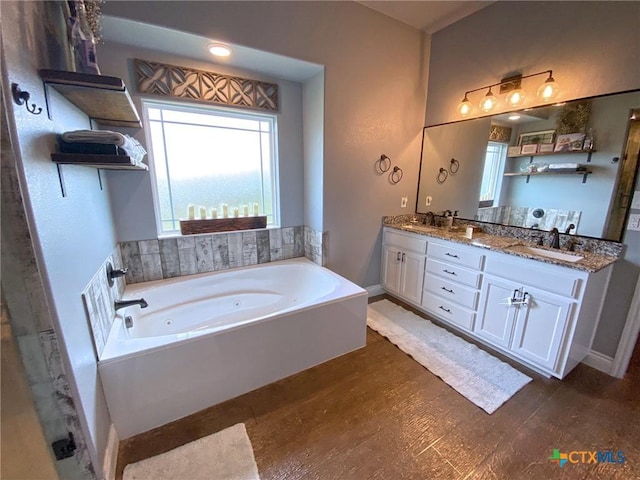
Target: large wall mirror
column 554, row 166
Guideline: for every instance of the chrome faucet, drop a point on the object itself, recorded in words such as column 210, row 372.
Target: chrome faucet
column 554, row 238
column 118, row 304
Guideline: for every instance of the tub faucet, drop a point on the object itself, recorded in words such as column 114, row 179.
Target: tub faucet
column 127, row 303
column 554, row 238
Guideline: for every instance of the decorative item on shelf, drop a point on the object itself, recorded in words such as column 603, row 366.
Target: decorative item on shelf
column 513, row 151
column 21, row 97
column 589, row 141
column 383, row 164
column 245, row 210
column 191, row 212
column 82, row 35
column 236, row 212
column 212, row 225
column 574, row 118
column 529, row 138
column 396, row 175
column 225, row 210
column 516, row 95
column 454, row 167
column 256, row 209
column 214, row 213
column 203, row 213
column 442, row 175
column 529, row 149
column 546, row 147
column 569, row 142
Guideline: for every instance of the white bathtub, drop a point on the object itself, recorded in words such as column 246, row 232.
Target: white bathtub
column 207, row 338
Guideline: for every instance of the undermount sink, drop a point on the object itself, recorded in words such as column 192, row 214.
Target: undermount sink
column 567, row 257
column 420, row 227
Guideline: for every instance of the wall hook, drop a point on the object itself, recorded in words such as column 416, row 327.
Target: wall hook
column 383, row 164
column 22, row 98
column 396, row 175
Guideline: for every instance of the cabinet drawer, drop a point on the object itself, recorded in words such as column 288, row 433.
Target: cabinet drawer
column 448, row 311
column 454, row 273
column 409, row 241
column 452, row 291
column 546, row 277
column 460, row 256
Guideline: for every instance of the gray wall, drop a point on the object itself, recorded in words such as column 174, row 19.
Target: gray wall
column 313, row 123
column 72, row 235
column 132, row 199
column 593, row 48
column 375, row 84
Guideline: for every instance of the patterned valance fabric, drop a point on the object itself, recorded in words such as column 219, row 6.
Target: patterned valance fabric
column 500, row 134
column 189, row 83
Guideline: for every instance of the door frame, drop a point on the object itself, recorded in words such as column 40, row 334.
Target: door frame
column 629, row 336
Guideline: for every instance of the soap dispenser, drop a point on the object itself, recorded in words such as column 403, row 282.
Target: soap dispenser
column 448, row 220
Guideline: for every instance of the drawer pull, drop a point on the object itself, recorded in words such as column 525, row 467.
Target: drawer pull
column 447, row 271
column 446, row 289
column 399, row 257
column 451, row 255
column 403, row 257
column 445, row 309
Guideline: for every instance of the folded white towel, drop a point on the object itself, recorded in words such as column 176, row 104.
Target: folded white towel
column 127, row 143
column 563, row 166
column 95, row 136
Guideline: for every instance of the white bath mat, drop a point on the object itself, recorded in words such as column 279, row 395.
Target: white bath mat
column 226, row 455
column 480, row 377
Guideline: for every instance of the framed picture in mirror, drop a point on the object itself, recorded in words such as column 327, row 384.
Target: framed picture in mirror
column 529, row 138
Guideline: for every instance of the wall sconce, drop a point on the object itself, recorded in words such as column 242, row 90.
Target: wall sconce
column 516, row 95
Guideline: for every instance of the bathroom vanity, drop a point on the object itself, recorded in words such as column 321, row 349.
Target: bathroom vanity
column 538, row 306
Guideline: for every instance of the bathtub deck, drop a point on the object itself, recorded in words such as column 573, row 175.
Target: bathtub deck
column 376, row 413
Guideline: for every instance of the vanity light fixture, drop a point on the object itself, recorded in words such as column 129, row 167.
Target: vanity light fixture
column 515, row 94
column 219, row 50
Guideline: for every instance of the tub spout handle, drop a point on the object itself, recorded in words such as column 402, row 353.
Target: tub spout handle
column 113, row 273
column 118, row 304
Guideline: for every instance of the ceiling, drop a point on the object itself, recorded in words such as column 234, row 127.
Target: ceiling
column 426, row 15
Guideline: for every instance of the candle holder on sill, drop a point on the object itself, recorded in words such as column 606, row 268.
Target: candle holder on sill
column 213, row 225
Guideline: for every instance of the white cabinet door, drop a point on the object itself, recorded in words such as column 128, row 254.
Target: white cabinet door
column 540, row 327
column 391, row 268
column 412, row 276
column 495, row 316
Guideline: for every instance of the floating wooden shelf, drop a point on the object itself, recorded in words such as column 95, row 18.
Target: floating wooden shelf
column 211, row 225
column 584, row 174
column 105, row 162
column 545, row 154
column 104, row 99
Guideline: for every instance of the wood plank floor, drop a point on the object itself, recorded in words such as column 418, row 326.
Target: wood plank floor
column 377, row 414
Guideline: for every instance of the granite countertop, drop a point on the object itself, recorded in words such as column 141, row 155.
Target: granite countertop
column 590, row 262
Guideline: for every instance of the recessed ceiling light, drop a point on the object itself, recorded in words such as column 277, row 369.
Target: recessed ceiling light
column 514, row 117
column 219, row 50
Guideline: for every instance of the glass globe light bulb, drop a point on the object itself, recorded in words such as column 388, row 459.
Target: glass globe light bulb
column 465, row 107
column 549, row 89
column 489, row 102
column 516, row 97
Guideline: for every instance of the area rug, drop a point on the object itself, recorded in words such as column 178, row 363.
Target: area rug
column 480, row 377
column 226, row 455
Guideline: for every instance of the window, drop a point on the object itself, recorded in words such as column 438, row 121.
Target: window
column 208, row 156
column 492, row 174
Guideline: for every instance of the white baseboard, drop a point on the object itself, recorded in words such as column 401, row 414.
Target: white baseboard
column 599, row 361
column 374, row 290
column 110, row 455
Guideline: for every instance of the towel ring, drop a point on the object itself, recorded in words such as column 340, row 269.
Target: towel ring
column 454, row 167
column 396, row 175
column 442, row 175
column 383, row 164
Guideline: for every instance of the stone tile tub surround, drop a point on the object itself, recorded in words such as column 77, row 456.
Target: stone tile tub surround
column 99, row 300
column 157, row 259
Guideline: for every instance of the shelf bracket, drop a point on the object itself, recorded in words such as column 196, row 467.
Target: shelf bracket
column 584, row 177
column 99, row 178
column 63, row 188
column 528, row 177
